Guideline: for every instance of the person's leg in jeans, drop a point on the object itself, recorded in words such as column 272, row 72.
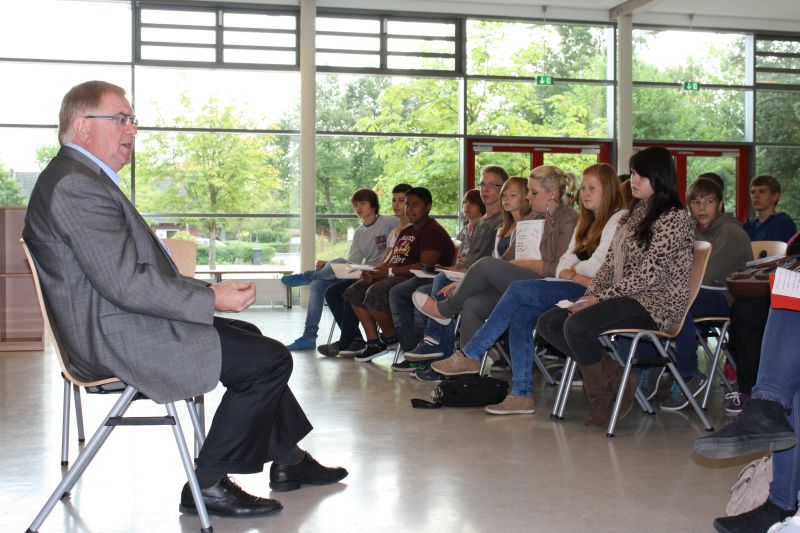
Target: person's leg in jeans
column 316, row 301
column 343, row 313
column 486, row 273
column 708, row 303
column 518, row 311
column 407, row 327
column 779, row 380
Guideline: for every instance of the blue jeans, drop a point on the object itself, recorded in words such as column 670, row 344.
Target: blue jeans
column 518, row 310
column 316, row 300
column 779, row 380
column 408, row 324
column 708, row 303
column 444, row 336
column 321, row 281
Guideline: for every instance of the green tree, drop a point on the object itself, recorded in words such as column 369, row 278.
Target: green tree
column 10, row 191
column 344, row 163
column 207, row 172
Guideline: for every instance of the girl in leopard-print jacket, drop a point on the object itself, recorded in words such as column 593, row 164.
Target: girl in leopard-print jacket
column 656, row 276
column 642, row 284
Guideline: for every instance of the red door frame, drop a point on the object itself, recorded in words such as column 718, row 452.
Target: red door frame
column 681, row 151
column 536, row 148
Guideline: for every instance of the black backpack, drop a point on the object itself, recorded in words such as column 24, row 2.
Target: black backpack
column 469, row 390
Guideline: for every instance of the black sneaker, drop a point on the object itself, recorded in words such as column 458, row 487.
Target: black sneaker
column 374, row 349
column 355, row 347
column 329, row 350
column 761, row 427
column 408, row 366
column 759, row 519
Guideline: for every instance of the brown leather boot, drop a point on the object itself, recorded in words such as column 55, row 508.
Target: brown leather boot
column 598, row 392
column 613, row 372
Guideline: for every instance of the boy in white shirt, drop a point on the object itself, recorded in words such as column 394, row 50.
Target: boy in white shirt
column 368, row 246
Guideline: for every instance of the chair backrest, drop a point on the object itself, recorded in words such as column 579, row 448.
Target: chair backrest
column 61, row 354
column 184, row 254
column 768, row 248
column 702, row 251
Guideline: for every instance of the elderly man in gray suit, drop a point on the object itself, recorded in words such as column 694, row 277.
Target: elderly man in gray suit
column 123, row 310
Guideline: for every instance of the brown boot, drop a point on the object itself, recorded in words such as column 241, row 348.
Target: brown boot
column 596, row 386
column 613, row 371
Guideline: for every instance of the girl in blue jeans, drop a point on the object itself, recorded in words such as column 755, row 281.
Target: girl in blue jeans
column 523, row 302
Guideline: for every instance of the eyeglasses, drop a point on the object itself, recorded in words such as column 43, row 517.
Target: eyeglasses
column 486, row 185
column 121, row 120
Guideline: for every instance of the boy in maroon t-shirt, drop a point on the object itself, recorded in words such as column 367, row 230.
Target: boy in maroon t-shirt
column 423, row 242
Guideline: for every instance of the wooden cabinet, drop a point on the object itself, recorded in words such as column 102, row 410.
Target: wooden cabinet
column 20, row 318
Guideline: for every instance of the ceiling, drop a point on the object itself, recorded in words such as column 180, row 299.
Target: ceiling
column 763, row 15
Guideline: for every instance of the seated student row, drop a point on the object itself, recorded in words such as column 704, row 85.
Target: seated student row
column 520, row 377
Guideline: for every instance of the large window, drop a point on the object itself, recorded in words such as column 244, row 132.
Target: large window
column 216, row 89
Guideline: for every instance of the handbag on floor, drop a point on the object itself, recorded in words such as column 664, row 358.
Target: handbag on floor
column 470, row 390
column 752, row 487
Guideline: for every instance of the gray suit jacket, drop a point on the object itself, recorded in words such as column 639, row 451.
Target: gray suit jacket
column 117, row 299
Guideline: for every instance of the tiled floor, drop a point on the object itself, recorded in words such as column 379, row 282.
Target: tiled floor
column 446, row 470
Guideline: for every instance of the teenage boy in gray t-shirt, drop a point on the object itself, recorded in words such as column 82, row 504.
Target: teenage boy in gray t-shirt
column 368, row 246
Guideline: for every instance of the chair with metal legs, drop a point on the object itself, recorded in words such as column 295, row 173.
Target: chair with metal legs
column 705, row 329
column 661, row 340
column 114, row 418
column 538, row 352
column 184, row 254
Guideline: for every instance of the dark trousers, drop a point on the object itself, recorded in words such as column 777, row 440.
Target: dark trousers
column 343, row 312
column 748, row 321
column 258, row 418
column 576, row 334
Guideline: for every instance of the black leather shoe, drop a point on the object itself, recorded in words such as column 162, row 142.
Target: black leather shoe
column 283, row 478
column 760, row 427
column 226, row 498
column 759, row 520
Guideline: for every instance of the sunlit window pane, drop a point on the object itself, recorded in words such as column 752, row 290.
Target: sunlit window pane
column 526, row 109
column 240, row 99
column 433, row 29
column 421, row 45
column 178, row 17
column 778, row 117
column 348, row 60
column 266, row 22
column 178, row 53
column 344, row 42
column 499, row 48
column 248, row 38
column 678, row 55
column 672, row 114
column 54, row 29
column 264, row 57
column 171, row 35
column 39, row 102
column 348, row 25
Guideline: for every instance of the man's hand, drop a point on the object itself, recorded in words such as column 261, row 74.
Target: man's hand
column 233, row 296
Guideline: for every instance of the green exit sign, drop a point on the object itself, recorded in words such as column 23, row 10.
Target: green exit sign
column 691, row 86
column 544, row 80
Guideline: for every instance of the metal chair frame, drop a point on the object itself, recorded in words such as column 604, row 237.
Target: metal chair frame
column 660, row 339
column 115, row 417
